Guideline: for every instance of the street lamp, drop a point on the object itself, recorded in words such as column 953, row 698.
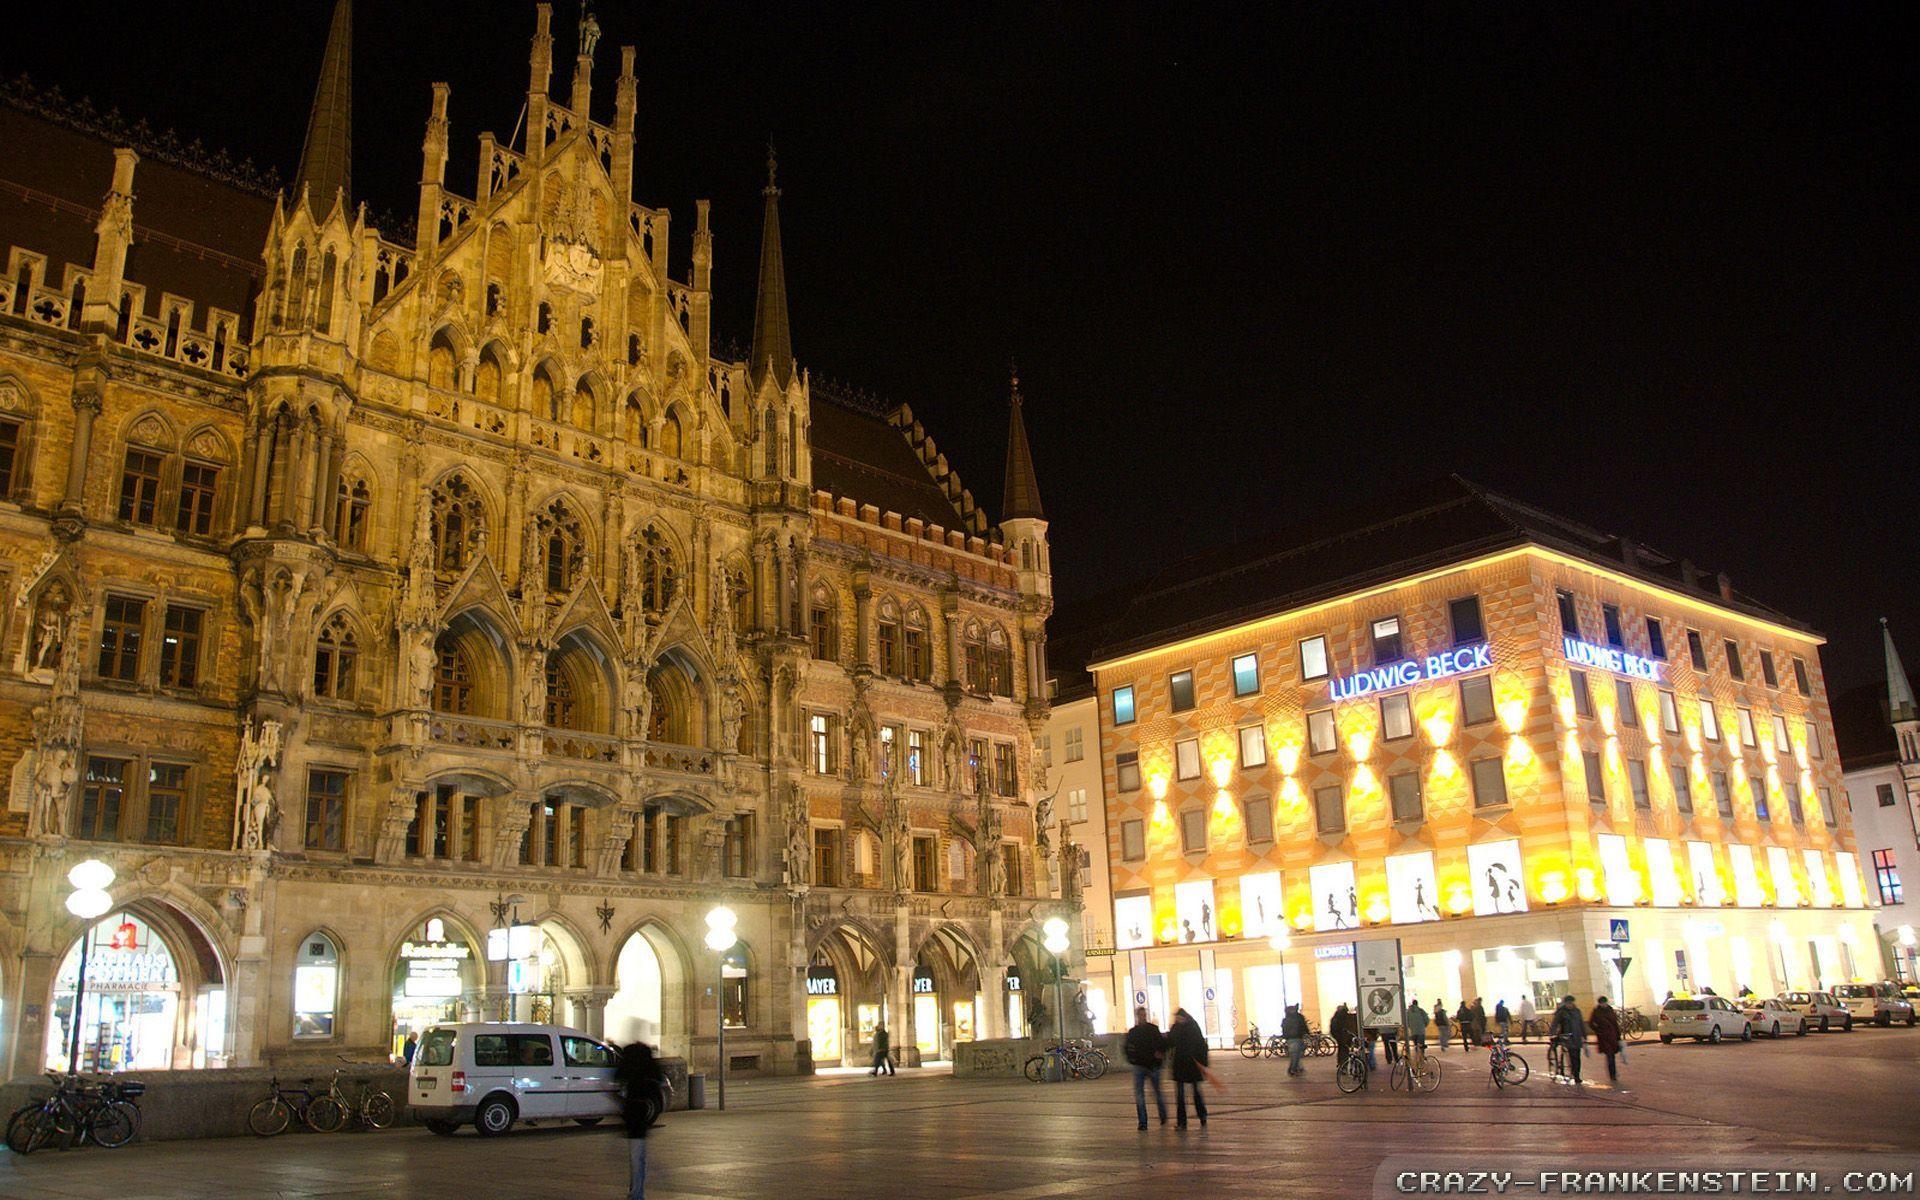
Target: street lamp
column 720, row 939
column 1280, row 941
column 89, row 901
column 1056, row 944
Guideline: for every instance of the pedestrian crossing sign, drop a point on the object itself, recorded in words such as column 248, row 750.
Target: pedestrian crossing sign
column 1617, row 931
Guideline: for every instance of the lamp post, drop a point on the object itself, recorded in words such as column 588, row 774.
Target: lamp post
column 1280, row 941
column 89, row 901
column 516, row 948
column 1056, row 944
column 720, row 939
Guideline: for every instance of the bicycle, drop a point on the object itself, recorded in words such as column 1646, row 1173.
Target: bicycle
column 1319, row 1044
column 1557, row 1059
column 1504, row 1065
column 78, row 1110
column 1634, row 1024
column 1253, row 1046
column 1078, row 1059
column 271, row 1116
column 1351, row 1075
column 371, row 1109
column 1415, row 1070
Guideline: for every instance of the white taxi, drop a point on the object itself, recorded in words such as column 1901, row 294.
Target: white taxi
column 1880, row 1003
column 1704, row 1019
column 1774, row 1017
column 1821, row 1010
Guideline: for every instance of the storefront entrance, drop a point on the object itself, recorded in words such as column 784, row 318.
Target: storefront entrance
column 435, row 977
column 153, row 1000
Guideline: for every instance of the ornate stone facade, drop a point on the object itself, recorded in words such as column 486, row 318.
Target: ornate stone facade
column 460, row 581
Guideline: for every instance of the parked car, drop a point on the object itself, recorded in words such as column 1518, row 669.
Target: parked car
column 1774, row 1017
column 1704, row 1019
column 1880, row 1003
column 495, row 1073
column 1822, row 1011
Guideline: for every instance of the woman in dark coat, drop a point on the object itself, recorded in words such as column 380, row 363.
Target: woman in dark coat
column 1187, row 1052
column 640, row 1079
column 1604, row 1022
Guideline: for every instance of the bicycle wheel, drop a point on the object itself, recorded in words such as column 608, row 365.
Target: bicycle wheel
column 1352, row 1075
column 1556, row 1060
column 1636, row 1028
column 1250, row 1047
column 1512, row 1069
column 112, row 1124
column 1394, row 1074
column 21, row 1128
column 269, row 1117
column 326, row 1114
column 1425, row 1077
column 1036, row 1069
column 378, row 1110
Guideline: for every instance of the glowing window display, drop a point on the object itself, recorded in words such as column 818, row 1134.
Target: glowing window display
column 1193, row 911
column 1660, row 870
column 1261, row 912
column 1817, row 877
column 1707, row 890
column 1852, row 892
column 1746, row 881
column 1336, row 902
column 1623, row 882
column 1786, row 893
column 1413, row 891
column 1133, row 922
column 1498, row 885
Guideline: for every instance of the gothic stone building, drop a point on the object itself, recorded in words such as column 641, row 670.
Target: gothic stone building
column 434, row 627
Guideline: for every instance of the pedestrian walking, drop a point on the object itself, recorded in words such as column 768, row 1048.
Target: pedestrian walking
column 410, row 1047
column 638, row 1074
column 1345, row 1031
column 1479, row 1011
column 1529, row 1017
column 1146, row 1052
column 1417, row 1029
column 1294, row 1030
column 1571, row 1032
column 1440, row 1023
column 1503, row 1018
column 1187, row 1053
column 1371, row 1036
column 1604, row 1020
column 1463, row 1022
column 882, row 1052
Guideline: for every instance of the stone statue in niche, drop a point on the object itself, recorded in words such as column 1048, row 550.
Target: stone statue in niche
column 421, row 661
column 51, row 626
column 799, row 838
column 253, row 797
column 733, row 714
column 901, row 835
column 636, row 698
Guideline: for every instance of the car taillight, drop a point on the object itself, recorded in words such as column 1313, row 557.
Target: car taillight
column 459, row 1081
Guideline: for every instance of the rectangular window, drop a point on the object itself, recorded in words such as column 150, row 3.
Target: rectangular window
column 1767, row 672
column 889, row 647
column 820, row 739
column 826, row 856
column 1313, row 658
column 180, row 647
column 576, row 835
column 739, row 847
column 1180, row 690
column 326, row 810
column 1826, row 807
column 1637, row 780
column 1076, row 804
column 1722, row 795
column 1795, row 808
column 102, row 798
column 1193, row 831
column 1464, row 615
column 1886, row 877
column 1321, row 736
column 1610, row 617
column 1330, row 809
column 1489, row 782
column 1596, row 777
column 1260, row 820
column 1758, row 788
column 1476, row 700
column 1623, row 701
column 1123, row 706
column 140, row 487
column 1006, row 776
column 1133, row 840
column 1669, row 713
column 1186, row 759
column 1246, row 674
column 1253, row 747
column 1813, row 740
column 926, row 865
column 1656, row 639
column 1126, row 771
column 9, row 456
column 120, row 633
column 1076, row 744
column 919, row 654
column 1747, row 736
column 1800, row 681
column 1682, row 790
column 1386, row 640
column 1696, row 650
column 166, row 801
column 1709, row 720
column 1569, row 614
column 1884, row 794
column 916, row 758
column 195, row 513
column 672, row 833
column 1780, row 739
column 1733, row 660
column 1404, row 790
column 1582, row 694
column 1046, row 750
column 1396, row 717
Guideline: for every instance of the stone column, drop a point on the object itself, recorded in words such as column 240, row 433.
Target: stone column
column 262, row 456
column 797, row 990
column 322, row 506
column 900, row 1021
column 32, row 1001
column 589, row 1005
column 993, row 993
column 862, row 620
column 950, row 619
column 86, row 406
column 996, row 1026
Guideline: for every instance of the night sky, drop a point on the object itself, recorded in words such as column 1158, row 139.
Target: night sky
column 1651, row 266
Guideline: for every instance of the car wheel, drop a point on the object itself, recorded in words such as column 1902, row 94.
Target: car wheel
column 1713, row 1036
column 1666, row 1039
column 1883, row 1020
column 1911, row 1019
column 494, row 1116
column 1776, row 1029
column 1802, row 1031
column 1848, row 1027
column 443, row 1128
column 1746, row 1032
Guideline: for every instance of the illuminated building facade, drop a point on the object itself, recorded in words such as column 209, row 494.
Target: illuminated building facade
column 429, row 622
column 1878, row 728
column 1489, row 732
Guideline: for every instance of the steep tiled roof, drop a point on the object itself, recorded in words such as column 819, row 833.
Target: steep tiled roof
column 860, row 454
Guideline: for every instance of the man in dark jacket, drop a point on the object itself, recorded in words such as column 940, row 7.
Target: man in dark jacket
column 1604, row 1020
column 640, row 1090
column 1187, row 1050
column 882, row 1051
column 1145, row 1050
column 1344, row 1029
column 1571, row 1032
column 1294, row 1030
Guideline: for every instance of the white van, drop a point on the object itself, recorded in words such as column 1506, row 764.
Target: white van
column 495, row 1073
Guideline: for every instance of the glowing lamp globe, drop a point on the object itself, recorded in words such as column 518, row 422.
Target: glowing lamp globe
column 91, row 875
column 89, row 903
column 1280, row 941
column 720, row 926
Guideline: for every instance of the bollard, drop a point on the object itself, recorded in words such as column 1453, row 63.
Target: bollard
column 696, row 1091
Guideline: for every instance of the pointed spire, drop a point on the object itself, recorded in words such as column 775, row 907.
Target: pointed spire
column 772, row 337
column 1021, row 496
column 326, row 160
column 1899, row 688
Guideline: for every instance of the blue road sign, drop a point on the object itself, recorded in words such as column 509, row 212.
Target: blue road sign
column 1617, row 930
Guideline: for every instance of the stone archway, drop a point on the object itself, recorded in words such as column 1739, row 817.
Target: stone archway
column 862, row 976
column 945, row 992
column 651, row 1000
column 156, row 995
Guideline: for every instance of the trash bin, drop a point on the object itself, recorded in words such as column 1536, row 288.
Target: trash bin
column 696, row 1091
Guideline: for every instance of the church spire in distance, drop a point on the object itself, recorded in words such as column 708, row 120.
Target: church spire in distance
column 772, row 337
column 1021, row 494
column 1900, row 703
column 326, row 159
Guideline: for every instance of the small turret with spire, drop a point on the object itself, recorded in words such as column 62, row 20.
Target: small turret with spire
column 772, row 354
column 325, row 177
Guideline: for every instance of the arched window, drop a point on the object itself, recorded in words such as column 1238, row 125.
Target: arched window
column 297, row 285
column 452, row 676
column 633, row 349
column 888, row 642
column 670, row 441
column 917, row 645
column 442, row 370
column 999, row 663
column 633, row 421
column 771, row 437
column 793, row 444
column 459, row 523
column 974, row 659
column 316, row 986
column 563, row 545
column 586, row 333
column 544, row 321
column 336, row 657
column 583, row 405
column 323, row 306
column 495, row 299
column 562, row 711
column 487, row 377
column 546, row 397
column 822, row 619
column 659, row 574
column 740, row 591
column 353, row 504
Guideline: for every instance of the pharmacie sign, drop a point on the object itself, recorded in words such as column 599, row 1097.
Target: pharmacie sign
column 1411, row 671
column 1611, row 658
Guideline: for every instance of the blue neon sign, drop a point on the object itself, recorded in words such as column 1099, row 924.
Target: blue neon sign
column 1412, row 671
column 1609, row 658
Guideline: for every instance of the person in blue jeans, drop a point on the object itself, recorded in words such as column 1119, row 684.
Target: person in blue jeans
column 1146, row 1050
